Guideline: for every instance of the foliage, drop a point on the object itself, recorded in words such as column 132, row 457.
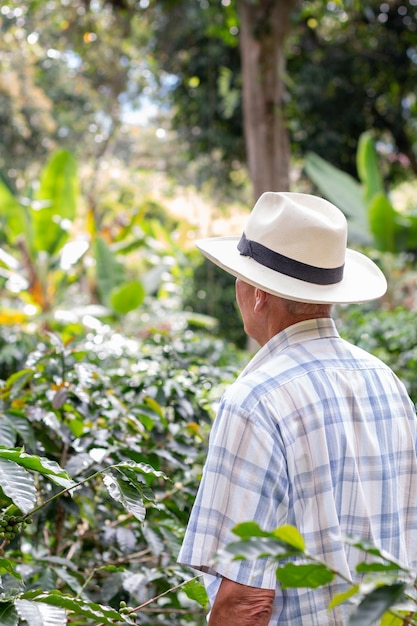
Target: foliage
column 75, row 74
column 212, row 293
column 373, row 220
column 338, row 52
column 389, row 334
column 51, row 244
column 387, row 589
column 37, row 228
column 67, row 69
column 357, row 53
column 196, row 44
column 102, row 440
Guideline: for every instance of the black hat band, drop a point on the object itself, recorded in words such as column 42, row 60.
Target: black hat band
column 289, row 267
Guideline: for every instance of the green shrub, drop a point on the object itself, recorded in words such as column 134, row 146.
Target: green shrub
column 389, row 334
column 102, row 442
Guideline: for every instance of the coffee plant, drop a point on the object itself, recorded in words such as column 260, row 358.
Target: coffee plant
column 102, row 441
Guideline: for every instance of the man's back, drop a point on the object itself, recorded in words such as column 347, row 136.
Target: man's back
column 349, row 434
column 318, row 434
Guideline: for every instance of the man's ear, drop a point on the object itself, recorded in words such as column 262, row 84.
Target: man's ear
column 261, row 298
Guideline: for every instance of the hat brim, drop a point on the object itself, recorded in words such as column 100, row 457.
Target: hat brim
column 362, row 278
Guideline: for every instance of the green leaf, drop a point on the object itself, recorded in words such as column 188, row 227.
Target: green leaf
column 339, row 598
column 18, row 485
column 393, row 620
column 6, row 566
column 382, row 220
column 11, row 588
column 310, row 575
column 7, row 433
column 292, row 536
column 376, row 603
column 71, row 581
column 247, row 530
column 127, row 297
column 14, row 217
column 141, row 468
column 258, row 548
column 56, row 200
column 344, row 191
column 8, row 615
column 286, row 534
column 195, row 590
column 368, row 167
column 23, row 427
column 96, row 612
column 40, row 464
column 16, row 382
column 376, row 567
column 138, row 482
column 126, row 494
column 369, row 548
column 40, row 614
column 110, row 273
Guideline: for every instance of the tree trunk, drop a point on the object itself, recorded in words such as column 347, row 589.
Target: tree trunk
column 264, row 25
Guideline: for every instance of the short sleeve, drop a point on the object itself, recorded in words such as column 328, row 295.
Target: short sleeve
column 244, row 479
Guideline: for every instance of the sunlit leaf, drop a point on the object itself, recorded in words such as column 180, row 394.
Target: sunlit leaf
column 257, row 548
column 16, row 382
column 18, row 484
column 142, row 468
column 291, row 535
column 72, row 252
column 339, row 598
column 310, row 575
column 127, row 297
column 39, row 464
column 368, row 167
column 39, row 614
column 382, row 219
column 6, row 566
column 393, row 620
column 15, row 223
column 96, row 612
column 195, row 590
column 247, row 530
column 55, row 201
column 285, row 534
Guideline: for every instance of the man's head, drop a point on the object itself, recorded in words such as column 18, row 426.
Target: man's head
column 265, row 315
column 294, row 246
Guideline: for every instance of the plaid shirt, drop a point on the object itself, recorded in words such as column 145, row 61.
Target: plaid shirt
column 319, row 434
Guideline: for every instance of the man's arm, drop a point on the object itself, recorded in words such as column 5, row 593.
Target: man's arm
column 240, row 605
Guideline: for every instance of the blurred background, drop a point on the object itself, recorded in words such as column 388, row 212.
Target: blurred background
column 128, row 129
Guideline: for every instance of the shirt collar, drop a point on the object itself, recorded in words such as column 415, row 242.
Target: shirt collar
column 296, row 333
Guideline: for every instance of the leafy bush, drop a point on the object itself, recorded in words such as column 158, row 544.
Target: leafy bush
column 389, row 334
column 102, row 441
column 212, row 292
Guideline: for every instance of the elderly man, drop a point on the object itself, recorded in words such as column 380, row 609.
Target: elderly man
column 315, row 432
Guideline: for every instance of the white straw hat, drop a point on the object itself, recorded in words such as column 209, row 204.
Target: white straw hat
column 294, row 246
